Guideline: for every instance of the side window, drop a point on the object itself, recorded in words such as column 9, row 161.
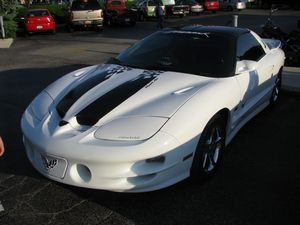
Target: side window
column 248, row 48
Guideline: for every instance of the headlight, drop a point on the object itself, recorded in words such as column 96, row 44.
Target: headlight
column 40, row 105
column 130, row 128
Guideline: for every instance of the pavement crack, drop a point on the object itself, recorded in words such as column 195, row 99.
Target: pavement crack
column 7, row 178
column 13, row 186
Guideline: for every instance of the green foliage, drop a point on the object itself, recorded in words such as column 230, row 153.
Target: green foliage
column 8, row 9
column 130, row 3
column 10, row 27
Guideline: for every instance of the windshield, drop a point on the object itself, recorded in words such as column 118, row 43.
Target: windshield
column 85, row 5
column 206, row 54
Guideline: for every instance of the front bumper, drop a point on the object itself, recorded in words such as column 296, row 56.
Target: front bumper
column 81, row 160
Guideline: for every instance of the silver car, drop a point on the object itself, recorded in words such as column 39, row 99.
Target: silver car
column 232, row 4
column 85, row 13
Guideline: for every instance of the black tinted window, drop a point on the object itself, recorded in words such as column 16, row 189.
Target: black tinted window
column 82, row 5
column 116, row 3
column 248, row 48
column 151, row 3
column 38, row 13
column 206, row 54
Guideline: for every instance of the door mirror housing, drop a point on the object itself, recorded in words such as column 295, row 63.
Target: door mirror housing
column 245, row 66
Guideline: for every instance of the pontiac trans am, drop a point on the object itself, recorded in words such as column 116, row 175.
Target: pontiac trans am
column 163, row 110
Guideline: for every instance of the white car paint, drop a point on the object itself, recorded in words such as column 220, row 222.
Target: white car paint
column 163, row 120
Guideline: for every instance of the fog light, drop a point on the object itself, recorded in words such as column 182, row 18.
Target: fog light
column 80, row 173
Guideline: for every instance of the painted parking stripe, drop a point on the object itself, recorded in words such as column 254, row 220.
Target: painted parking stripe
column 1, row 207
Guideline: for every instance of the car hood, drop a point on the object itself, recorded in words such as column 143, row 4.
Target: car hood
column 112, row 91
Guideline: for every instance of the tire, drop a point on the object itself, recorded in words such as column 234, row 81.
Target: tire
column 276, row 90
column 229, row 8
column 209, row 151
column 142, row 17
column 132, row 23
column 99, row 29
column 53, row 31
column 181, row 15
column 70, row 28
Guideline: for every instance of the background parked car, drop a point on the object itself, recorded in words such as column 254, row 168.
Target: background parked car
column 38, row 20
column 210, row 5
column 116, row 12
column 195, row 7
column 85, row 13
column 232, row 4
column 181, row 8
column 145, row 9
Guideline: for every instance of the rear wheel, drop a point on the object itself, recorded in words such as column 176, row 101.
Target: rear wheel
column 53, row 31
column 229, row 8
column 142, row 17
column 99, row 28
column 209, row 150
column 132, row 23
column 70, row 28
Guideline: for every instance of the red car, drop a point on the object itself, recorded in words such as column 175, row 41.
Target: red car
column 211, row 5
column 116, row 12
column 39, row 20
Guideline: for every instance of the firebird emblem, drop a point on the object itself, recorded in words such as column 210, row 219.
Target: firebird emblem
column 49, row 164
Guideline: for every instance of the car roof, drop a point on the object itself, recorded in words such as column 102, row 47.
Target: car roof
column 232, row 31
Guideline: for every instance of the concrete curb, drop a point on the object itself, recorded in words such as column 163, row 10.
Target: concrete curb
column 291, row 79
column 6, row 43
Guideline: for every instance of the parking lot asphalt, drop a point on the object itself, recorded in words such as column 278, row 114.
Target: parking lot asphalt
column 258, row 183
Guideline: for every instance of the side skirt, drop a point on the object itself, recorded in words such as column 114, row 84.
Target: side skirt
column 259, row 108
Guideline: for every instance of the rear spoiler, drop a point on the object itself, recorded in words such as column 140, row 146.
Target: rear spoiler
column 272, row 43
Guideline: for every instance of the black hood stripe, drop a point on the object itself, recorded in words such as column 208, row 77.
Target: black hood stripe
column 106, row 103
column 68, row 100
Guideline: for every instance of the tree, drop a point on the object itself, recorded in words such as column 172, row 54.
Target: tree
column 8, row 9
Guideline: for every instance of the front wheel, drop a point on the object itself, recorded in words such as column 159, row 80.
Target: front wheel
column 276, row 90
column 209, row 150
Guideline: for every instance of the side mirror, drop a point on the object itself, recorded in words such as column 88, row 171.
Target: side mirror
column 245, row 66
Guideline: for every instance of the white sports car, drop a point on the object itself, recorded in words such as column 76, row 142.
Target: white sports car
column 162, row 111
